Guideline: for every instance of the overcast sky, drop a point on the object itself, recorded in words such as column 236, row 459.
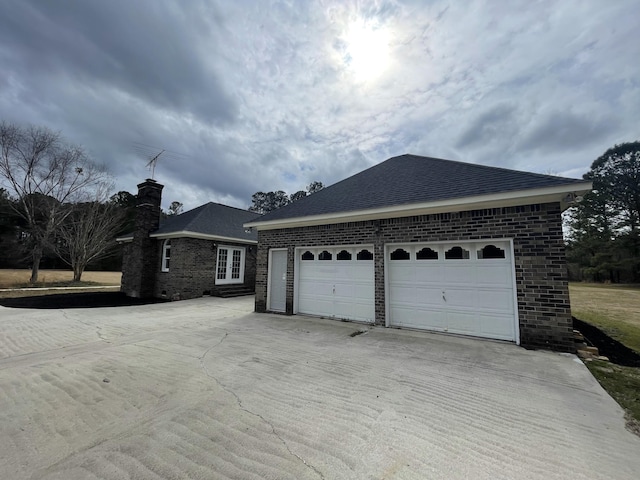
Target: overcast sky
column 272, row 95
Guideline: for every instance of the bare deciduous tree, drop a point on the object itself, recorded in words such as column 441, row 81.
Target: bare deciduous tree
column 87, row 233
column 43, row 173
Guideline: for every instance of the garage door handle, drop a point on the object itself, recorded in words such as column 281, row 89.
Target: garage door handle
column 334, row 289
column 443, row 297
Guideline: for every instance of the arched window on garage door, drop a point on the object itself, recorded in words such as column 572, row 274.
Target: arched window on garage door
column 456, row 253
column 400, row 254
column 364, row 255
column 426, row 254
column 325, row 255
column 490, row 251
column 343, row 255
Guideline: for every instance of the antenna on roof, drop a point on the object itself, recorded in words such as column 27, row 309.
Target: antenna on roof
column 150, row 153
column 152, row 164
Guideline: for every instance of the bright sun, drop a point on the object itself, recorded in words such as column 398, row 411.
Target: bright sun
column 367, row 49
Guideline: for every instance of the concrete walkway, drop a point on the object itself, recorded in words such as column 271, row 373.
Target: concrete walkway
column 207, row 389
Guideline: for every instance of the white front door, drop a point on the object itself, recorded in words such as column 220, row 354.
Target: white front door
column 277, row 281
column 336, row 282
column 464, row 287
column 230, row 265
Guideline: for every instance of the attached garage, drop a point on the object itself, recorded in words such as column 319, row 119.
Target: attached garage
column 336, row 282
column 452, row 247
column 465, row 288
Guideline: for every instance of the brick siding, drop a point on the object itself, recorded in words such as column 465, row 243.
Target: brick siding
column 192, row 271
column 140, row 259
column 539, row 257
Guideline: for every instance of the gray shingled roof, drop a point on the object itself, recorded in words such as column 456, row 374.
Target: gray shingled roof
column 409, row 179
column 211, row 219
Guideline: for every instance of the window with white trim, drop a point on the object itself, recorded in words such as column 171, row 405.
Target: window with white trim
column 230, row 265
column 166, row 255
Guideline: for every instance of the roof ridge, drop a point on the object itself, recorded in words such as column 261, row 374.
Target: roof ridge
column 230, row 206
column 480, row 165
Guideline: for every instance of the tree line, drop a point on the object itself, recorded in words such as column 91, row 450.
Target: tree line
column 603, row 230
column 265, row 202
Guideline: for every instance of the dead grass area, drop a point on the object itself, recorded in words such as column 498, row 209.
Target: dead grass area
column 621, row 302
column 613, row 309
column 19, row 278
column 14, row 278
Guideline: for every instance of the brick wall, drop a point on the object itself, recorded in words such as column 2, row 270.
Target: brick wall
column 192, row 270
column 126, row 284
column 140, row 256
column 536, row 230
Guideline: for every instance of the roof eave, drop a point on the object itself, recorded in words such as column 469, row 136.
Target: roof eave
column 201, row 236
column 564, row 194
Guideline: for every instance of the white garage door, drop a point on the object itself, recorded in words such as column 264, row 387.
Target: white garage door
column 464, row 288
column 336, row 282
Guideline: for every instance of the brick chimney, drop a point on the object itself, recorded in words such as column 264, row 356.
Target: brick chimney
column 144, row 254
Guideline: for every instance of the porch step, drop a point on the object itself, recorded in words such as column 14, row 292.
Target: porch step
column 232, row 291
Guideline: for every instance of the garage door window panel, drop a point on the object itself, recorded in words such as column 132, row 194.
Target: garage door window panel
column 400, row 254
column 343, row 255
column 456, row 253
column 364, row 255
column 306, row 256
column 325, row 255
column 426, row 254
column 491, row 252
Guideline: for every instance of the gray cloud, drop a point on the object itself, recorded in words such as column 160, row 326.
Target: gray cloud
column 560, row 131
column 498, row 122
column 262, row 95
column 144, row 48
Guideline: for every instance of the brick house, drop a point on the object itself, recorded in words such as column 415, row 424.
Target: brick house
column 425, row 243
column 205, row 251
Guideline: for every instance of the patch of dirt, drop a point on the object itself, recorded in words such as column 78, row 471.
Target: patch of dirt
column 607, row 346
column 77, row 300
column 632, row 424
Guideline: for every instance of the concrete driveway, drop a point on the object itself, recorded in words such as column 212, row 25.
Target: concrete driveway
column 207, row 389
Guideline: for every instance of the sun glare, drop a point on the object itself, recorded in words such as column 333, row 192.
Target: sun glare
column 367, row 49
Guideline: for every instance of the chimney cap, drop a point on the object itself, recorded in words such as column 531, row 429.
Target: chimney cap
column 150, row 183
